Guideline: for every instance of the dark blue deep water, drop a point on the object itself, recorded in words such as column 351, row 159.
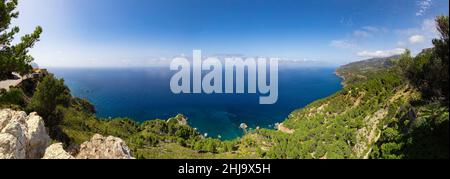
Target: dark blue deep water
column 144, row 93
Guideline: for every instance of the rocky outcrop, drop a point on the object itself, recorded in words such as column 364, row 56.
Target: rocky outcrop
column 9, row 147
column 37, row 136
column 56, row 151
column 22, row 136
column 284, row 129
column 100, row 147
column 179, row 119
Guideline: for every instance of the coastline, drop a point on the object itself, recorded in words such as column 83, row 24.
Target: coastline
column 226, row 119
column 341, row 76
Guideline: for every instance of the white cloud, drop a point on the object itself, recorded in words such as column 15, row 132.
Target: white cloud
column 357, row 37
column 381, row 53
column 416, row 39
column 422, row 34
column 429, row 26
column 344, row 44
column 424, row 5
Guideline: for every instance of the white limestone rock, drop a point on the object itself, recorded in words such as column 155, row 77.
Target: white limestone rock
column 37, row 136
column 100, row 147
column 22, row 136
column 56, row 151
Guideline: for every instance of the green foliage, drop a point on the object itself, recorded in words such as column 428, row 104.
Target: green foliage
column 361, row 70
column 83, row 105
column 13, row 97
column 176, row 119
column 72, row 126
column 14, row 58
column 78, row 126
column 329, row 128
column 377, row 99
column 429, row 70
column 418, row 131
column 420, row 128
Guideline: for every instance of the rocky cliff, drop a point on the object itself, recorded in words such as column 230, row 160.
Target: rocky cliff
column 24, row 136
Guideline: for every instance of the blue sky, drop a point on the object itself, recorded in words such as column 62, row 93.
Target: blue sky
column 147, row 32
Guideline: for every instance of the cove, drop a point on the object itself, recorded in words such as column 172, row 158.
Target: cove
column 143, row 94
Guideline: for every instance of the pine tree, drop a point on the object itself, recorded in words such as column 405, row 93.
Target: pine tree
column 14, row 57
column 50, row 93
column 442, row 51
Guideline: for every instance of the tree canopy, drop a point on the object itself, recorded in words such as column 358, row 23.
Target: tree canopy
column 50, row 93
column 428, row 71
column 14, row 57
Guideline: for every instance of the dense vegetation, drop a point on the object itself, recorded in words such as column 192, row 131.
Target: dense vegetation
column 389, row 108
column 361, row 70
column 72, row 121
column 341, row 126
column 420, row 129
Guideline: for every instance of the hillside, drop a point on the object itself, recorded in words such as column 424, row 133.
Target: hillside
column 370, row 116
column 348, row 123
column 362, row 69
column 389, row 108
column 380, row 113
column 363, row 120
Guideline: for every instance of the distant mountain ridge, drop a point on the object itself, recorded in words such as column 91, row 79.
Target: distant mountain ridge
column 359, row 70
column 373, row 63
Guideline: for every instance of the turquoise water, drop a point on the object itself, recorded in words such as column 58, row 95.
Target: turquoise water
column 144, row 93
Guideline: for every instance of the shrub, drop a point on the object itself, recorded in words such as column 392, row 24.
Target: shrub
column 50, row 93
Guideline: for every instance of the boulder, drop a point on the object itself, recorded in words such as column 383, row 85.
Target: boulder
column 22, row 136
column 56, row 151
column 5, row 116
column 13, row 141
column 100, row 147
column 37, row 136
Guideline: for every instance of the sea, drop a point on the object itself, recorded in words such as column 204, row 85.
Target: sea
column 143, row 94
